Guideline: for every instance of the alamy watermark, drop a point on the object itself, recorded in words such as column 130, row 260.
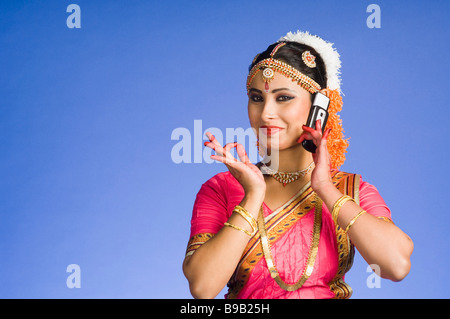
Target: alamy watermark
column 74, row 279
column 190, row 147
column 374, row 19
column 374, row 279
column 74, row 19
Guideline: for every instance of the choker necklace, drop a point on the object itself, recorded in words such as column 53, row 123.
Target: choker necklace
column 286, row 178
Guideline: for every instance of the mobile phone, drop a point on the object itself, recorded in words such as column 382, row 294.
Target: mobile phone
column 319, row 111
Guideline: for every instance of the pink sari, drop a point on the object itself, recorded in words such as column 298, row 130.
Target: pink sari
column 289, row 230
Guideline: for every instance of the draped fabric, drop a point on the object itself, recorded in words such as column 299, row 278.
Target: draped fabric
column 289, row 230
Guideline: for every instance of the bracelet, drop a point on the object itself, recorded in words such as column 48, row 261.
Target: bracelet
column 337, row 206
column 246, row 215
column 354, row 219
column 240, row 229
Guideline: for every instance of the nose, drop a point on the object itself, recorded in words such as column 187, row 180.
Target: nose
column 269, row 110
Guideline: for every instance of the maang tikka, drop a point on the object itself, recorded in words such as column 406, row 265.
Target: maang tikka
column 268, row 73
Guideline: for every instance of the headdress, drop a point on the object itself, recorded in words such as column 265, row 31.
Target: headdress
column 271, row 65
column 337, row 145
column 329, row 55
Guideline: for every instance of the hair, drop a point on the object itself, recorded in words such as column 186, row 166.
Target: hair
column 291, row 53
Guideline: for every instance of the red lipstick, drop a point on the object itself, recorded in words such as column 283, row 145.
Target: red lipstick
column 270, row 130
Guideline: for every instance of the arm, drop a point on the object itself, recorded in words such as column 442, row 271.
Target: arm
column 209, row 269
column 379, row 242
column 211, row 266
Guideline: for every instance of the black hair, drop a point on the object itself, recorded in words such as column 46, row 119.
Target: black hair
column 291, row 53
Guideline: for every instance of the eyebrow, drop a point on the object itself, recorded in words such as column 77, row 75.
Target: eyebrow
column 273, row 91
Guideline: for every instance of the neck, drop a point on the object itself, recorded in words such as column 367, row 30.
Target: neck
column 292, row 159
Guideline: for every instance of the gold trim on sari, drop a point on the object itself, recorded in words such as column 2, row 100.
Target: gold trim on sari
column 348, row 184
column 196, row 241
column 277, row 224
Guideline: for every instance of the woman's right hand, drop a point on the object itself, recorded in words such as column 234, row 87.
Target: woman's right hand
column 246, row 173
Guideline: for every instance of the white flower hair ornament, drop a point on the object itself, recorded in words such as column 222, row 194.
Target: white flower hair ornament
column 329, row 55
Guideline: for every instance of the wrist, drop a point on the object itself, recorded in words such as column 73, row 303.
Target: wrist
column 252, row 203
column 329, row 195
column 324, row 188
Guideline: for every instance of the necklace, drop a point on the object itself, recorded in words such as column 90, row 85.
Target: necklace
column 286, row 178
column 309, row 267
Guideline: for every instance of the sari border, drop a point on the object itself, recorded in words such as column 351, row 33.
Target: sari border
column 196, row 241
column 279, row 209
column 346, row 250
column 277, row 226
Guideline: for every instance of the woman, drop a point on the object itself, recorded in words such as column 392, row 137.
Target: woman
column 289, row 229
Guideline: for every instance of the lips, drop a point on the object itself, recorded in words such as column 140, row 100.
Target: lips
column 270, row 130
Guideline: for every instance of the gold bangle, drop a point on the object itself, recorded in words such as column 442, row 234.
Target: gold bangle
column 353, row 220
column 239, row 228
column 337, row 206
column 246, row 215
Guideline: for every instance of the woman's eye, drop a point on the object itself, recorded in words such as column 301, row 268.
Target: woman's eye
column 256, row 98
column 283, row 98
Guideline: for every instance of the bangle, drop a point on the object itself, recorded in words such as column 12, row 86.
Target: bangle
column 354, row 219
column 246, row 215
column 240, row 229
column 337, row 206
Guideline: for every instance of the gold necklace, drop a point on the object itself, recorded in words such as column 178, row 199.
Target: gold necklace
column 309, row 267
column 286, row 178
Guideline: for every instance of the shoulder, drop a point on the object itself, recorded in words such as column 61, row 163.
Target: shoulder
column 220, row 185
column 221, row 181
column 365, row 193
column 353, row 184
column 347, row 182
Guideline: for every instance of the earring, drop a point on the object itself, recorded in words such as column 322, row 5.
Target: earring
column 260, row 151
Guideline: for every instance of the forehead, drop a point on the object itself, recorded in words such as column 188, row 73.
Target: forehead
column 279, row 81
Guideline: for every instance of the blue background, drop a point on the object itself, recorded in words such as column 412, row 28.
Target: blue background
column 86, row 117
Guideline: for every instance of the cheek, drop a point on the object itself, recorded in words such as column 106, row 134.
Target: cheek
column 296, row 116
column 254, row 116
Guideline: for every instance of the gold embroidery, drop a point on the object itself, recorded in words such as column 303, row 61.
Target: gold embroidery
column 283, row 219
column 348, row 184
column 385, row 219
column 196, row 241
column 307, row 271
column 276, row 226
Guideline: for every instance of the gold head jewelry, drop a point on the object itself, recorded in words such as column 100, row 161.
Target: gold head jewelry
column 309, row 59
column 270, row 65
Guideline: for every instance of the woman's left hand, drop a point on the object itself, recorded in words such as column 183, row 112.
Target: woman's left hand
column 321, row 175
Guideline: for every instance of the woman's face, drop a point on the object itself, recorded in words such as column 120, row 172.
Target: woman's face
column 279, row 114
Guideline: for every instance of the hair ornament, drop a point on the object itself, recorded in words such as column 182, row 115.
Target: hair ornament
column 309, row 59
column 325, row 49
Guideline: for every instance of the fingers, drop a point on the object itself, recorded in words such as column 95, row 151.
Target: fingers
column 223, row 153
column 242, row 153
column 229, row 146
column 325, row 135
column 319, row 125
column 304, row 136
column 212, row 138
column 314, row 134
